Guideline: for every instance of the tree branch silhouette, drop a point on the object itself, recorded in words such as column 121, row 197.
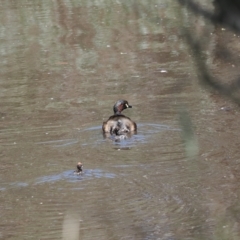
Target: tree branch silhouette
column 226, row 13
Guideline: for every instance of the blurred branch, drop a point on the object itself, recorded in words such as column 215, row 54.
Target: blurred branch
column 206, row 78
column 188, row 136
column 226, row 12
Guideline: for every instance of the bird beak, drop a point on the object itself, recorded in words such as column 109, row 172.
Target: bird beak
column 128, row 106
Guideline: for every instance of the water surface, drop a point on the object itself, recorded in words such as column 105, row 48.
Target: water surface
column 63, row 66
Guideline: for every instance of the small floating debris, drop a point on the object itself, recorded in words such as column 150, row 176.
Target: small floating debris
column 79, row 169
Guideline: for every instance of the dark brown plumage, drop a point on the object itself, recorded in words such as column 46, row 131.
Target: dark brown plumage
column 79, row 168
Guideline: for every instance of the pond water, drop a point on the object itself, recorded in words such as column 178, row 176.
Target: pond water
column 63, row 66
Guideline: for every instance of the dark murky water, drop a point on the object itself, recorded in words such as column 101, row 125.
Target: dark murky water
column 63, row 65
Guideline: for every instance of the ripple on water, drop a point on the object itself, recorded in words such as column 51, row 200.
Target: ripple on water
column 88, row 174
column 92, row 136
column 143, row 136
column 67, row 176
